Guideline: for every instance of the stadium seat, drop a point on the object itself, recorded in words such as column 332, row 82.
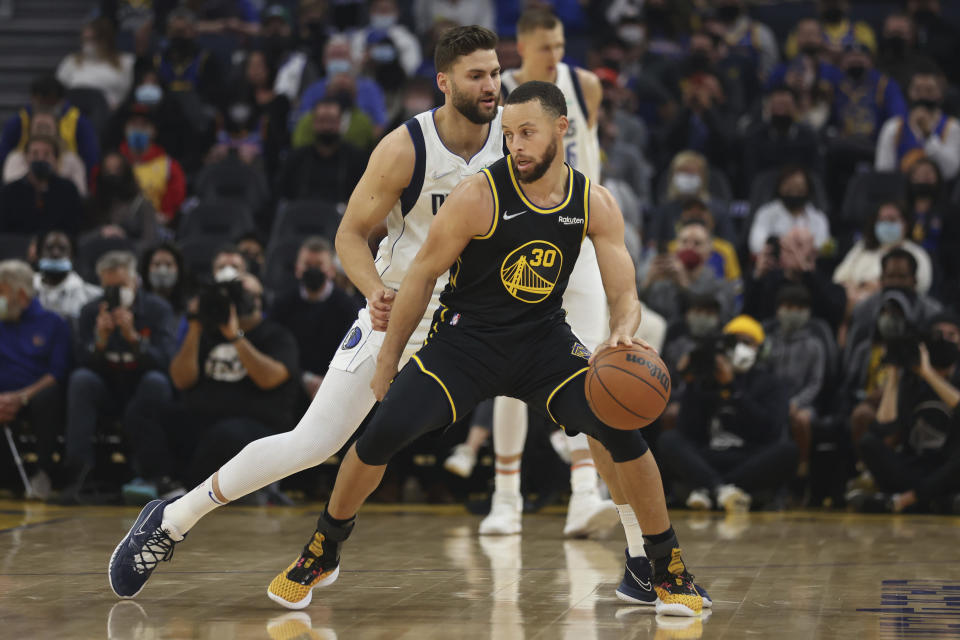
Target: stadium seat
column 865, row 192
column 91, row 247
column 233, row 180
column 14, row 246
column 306, row 218
column 227, row 219
column 92, row 104
column 280, row 260
column 198, row 252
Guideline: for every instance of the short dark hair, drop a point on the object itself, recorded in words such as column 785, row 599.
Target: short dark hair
column 327, row 101
column 899, row 253
column 47, row 87
column 794, row 294
column 462, row 41
column 317, row 244
column 546, row 93
column 537, row 18
column 703, row 301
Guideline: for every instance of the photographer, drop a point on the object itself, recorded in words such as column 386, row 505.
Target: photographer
column 730, row 442
column 124, row 342
column 913, row 450
column 237, row 375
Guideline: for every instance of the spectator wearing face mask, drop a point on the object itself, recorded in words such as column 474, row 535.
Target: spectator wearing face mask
column 750, row 36
column 318, row 313
column 865, row 98
column 798, row 357
column 35, row 352
column 672, row 276
column 937, row 36
column 731, row 441
column 160, row 177
column 723, row 255
column 688, row 178
column 183, row 66
column 385, row 21
column 933, row 214
column 41, row 200
column 58, row 287
column 355, row 125
column 124, row 344
column 118, row 207
column 926, row 132
column 269, row 110
column 161, row 271
column 913, row 449
column 780, row 138
column 792, row 259
column 366, row 94
column 330, row 167
column 898, row 56
column 98, row 64
column 792, row 208
column 295, row 69
column 859, row 271
column 68, row 164
column 838, row 30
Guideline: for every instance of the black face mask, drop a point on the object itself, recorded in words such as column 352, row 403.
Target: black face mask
column 313, row 279
column 728, row 13
column 943, row 353
column 832, row 15
column 894, row 46
column 856, row 72
column 41, row 169
column 932, row 105
column 794, row 202
column 345, row 98
column 924, row 190
column 811, row 50
column 781, row 122
column 328, row 138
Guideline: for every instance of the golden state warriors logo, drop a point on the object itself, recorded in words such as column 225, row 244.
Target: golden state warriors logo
column 531, row 271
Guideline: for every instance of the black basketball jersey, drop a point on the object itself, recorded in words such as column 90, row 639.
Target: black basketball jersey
column 517, row 272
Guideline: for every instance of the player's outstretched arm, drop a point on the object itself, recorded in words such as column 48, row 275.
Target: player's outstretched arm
column 605, row 228
column 388, row 173
column 467, row 212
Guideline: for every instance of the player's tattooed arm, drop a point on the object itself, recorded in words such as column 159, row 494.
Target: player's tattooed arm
column 616, row 268
column 467, row 212
column 387, row 175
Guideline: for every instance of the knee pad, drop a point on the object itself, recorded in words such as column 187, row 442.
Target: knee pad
column 623, row 446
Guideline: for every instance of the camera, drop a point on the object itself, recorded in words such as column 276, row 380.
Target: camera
column 213, row 303
column 702, row 361
column 111, row 295
column 904, row 350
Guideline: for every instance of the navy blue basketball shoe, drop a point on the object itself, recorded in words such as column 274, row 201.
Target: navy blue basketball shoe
column 636, row 587
column 146, row 544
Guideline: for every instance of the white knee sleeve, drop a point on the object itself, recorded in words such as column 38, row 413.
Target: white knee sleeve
column 509, row 426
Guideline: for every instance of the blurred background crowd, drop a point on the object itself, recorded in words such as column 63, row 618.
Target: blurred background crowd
column 788, row 172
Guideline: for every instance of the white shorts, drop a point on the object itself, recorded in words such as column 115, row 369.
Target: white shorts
column 362, row 343
column 585, row 301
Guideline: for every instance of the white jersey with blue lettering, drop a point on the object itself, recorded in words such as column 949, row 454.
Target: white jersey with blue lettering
column 437, row 170
column 584, row 299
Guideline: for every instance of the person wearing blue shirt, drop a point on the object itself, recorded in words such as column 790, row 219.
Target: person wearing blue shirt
column 866, row 98
column 368, row 96
column 35, row 352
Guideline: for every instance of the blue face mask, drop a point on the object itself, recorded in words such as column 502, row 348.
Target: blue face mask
column 338, row 66
column 888, row 232
column 148, row 94
column 138, row 140
column 54, row 265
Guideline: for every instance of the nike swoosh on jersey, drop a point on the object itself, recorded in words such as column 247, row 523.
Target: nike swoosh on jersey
column 437, row 176
column 510, row 216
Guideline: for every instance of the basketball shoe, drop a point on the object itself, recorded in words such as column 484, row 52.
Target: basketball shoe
column 317, row 566
column 733, row 499
column 589, row 514
column 636, row 587
column 148, row 543
column 677, row 594
column 461, row 461
column 504, row 516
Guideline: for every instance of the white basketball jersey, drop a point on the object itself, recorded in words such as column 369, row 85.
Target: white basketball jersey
column 437, row 170
column 581, row 146
column 584, row 300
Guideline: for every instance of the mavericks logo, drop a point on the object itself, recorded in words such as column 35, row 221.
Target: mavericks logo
column 531, row 271
column 352, row 339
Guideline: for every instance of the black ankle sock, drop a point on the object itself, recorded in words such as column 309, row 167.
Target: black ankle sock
column 334, row 521
column 659, row 548
column 657, row 538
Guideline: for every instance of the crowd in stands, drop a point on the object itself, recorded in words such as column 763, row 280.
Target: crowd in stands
column 789, row 174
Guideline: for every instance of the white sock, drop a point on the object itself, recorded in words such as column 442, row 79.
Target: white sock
column 632, row 530
column 509, row 435
column 341, row 404
column 583, row 476
column 507, row 478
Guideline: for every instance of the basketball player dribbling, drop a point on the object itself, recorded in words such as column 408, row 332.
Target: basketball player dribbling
column 509, row 239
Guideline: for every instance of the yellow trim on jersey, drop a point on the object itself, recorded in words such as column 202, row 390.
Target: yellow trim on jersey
column 453, row 407
column 586, row 207
column 496, row 207
column 443, row 312
column 519, row 190
column 554, row 392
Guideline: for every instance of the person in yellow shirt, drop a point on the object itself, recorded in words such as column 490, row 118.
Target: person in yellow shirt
column 838, row 31
column 723, row 259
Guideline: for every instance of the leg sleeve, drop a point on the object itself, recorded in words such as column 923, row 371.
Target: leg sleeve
column 416, row 403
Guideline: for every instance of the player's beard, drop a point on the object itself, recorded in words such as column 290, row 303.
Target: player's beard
column 470, row 108
column 539, row 169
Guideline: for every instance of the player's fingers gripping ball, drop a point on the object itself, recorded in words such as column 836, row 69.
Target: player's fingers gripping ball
column 627, row 387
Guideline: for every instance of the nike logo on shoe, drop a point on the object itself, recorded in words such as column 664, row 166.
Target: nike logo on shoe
column 511, row 216
column 140, row 530
column 644, row 584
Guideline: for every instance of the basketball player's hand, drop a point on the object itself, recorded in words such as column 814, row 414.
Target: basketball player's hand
column 382, row 378
column 621, row 340
column 381, row 303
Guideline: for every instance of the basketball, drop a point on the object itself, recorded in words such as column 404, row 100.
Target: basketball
column 627, row 387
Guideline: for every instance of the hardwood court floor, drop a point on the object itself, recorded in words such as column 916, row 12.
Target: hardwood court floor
column 422, row 573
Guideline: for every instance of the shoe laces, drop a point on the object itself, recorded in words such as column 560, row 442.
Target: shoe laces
column 157, row 548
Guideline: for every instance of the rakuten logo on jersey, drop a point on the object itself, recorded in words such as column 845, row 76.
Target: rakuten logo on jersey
column 566, row 220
